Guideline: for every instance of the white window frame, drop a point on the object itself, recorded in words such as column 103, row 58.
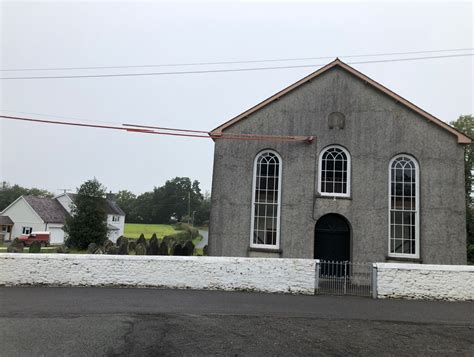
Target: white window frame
column 29, row 229
column 415, row 255
column 254, row 185
column 320, row 167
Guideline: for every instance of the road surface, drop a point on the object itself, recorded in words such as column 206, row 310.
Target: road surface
column 152, row 322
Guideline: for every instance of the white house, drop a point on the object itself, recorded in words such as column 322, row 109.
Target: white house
column 28, row 213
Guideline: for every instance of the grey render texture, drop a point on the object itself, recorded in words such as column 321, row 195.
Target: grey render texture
column 377, row 128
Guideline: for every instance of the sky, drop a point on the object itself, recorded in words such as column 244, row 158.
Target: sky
column 80, row 34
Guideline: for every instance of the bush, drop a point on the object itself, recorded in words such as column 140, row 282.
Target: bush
column 16, row 246
column 91, row 248
column 177, row 249
column 62, row 249
column 153, row 236
column 140, row 249
column 123, row 247
column 132, row 245
column 141, row 239
column 154, row 246
column 205, row 250
column 188, row 248
column 35, row 247
column 119, row 240
column 163, row 248
column 169, row 240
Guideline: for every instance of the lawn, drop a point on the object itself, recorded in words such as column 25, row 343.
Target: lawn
column 133, row 230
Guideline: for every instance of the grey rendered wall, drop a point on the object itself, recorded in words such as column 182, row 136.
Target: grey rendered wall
column 376, row 129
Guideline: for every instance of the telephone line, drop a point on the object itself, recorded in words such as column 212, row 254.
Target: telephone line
column 232, row 62
column 228, row 70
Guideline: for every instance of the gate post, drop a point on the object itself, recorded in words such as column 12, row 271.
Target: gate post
column 316, row 281
column 374, row 280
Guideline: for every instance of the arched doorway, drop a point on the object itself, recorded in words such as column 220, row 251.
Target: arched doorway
column 332, row 238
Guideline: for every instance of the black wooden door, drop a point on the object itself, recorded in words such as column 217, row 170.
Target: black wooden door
column 332, row 239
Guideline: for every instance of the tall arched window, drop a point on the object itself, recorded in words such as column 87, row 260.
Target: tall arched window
column 404, row 207
column 265, row 230
column 334, row 172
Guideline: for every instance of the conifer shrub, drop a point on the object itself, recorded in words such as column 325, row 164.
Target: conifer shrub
column 188, row 248
column 131, row 246
column 205, row 250
column 35, row 247
column 141, row 239
column 140, row 249
column 154, row 246
column 122, row 249
column 163, row 248
column 177, row 249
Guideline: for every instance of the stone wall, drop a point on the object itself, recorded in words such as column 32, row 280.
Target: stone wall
column 419, row 281
column 176, row 272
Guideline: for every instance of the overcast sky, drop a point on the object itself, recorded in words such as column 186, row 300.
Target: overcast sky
column 66, row 34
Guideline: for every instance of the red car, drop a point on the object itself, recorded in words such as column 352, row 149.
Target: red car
column 42, row 237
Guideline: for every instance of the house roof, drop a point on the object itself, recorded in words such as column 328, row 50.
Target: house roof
column 461, row 138
column 49, row 209
column 5, row 221
column 111, row 206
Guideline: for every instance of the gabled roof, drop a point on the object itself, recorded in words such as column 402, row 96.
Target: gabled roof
column 462, row 138
column 111, row 206
column 49, row 209
column 5, row 221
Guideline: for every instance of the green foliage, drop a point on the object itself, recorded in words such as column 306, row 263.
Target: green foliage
column 131, row 246
column 470, row 253
column 154, row 246
column 123, row 247
column 205, row 250
column 140, row 249
column 35, row 247
column 141, row 240
column 87, row 222
column 177, row 249
column 127, row 201
column 163, row 248
column 465, row 124
column 188, row 248
column 9, row 193
column 16, row 246
column 62, row 249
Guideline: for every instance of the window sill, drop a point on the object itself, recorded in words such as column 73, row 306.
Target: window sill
column 335, row 198
column 403, row 259
column 265, row 250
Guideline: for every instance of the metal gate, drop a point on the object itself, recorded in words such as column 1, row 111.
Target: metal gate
column 344, row 278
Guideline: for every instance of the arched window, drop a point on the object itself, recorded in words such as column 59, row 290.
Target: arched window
column 334, row 172
column 404, row 207
column 265, row 230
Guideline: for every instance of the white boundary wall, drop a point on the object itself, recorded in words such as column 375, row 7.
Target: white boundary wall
column 295, row 276
column 420, row 281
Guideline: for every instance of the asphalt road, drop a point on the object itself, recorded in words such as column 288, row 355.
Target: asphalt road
column 152, row 322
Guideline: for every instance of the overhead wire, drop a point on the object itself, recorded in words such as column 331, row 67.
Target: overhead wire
column 232, row 62
column 228, row 69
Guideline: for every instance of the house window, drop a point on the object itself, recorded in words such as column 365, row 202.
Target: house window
column 404, row 207
column 265, row 226
column 334, row 172
column 115, row 218
column 27, row 230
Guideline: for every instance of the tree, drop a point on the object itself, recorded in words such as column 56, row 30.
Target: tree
column 88, row 221
column 127, row 201
column 8, row 193
column 465, row 124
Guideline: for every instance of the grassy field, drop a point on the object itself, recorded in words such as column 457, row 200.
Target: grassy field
column 133, row 230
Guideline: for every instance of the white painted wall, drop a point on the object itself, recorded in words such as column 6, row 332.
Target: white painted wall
column 420, row 281
column 56, row 233
column 119, row 224
column 22, row 215
column 213, row 273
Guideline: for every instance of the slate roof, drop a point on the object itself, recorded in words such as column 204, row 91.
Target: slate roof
column 111, row 207
column 5, row 221
column 461, row 137
column 49, row 209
